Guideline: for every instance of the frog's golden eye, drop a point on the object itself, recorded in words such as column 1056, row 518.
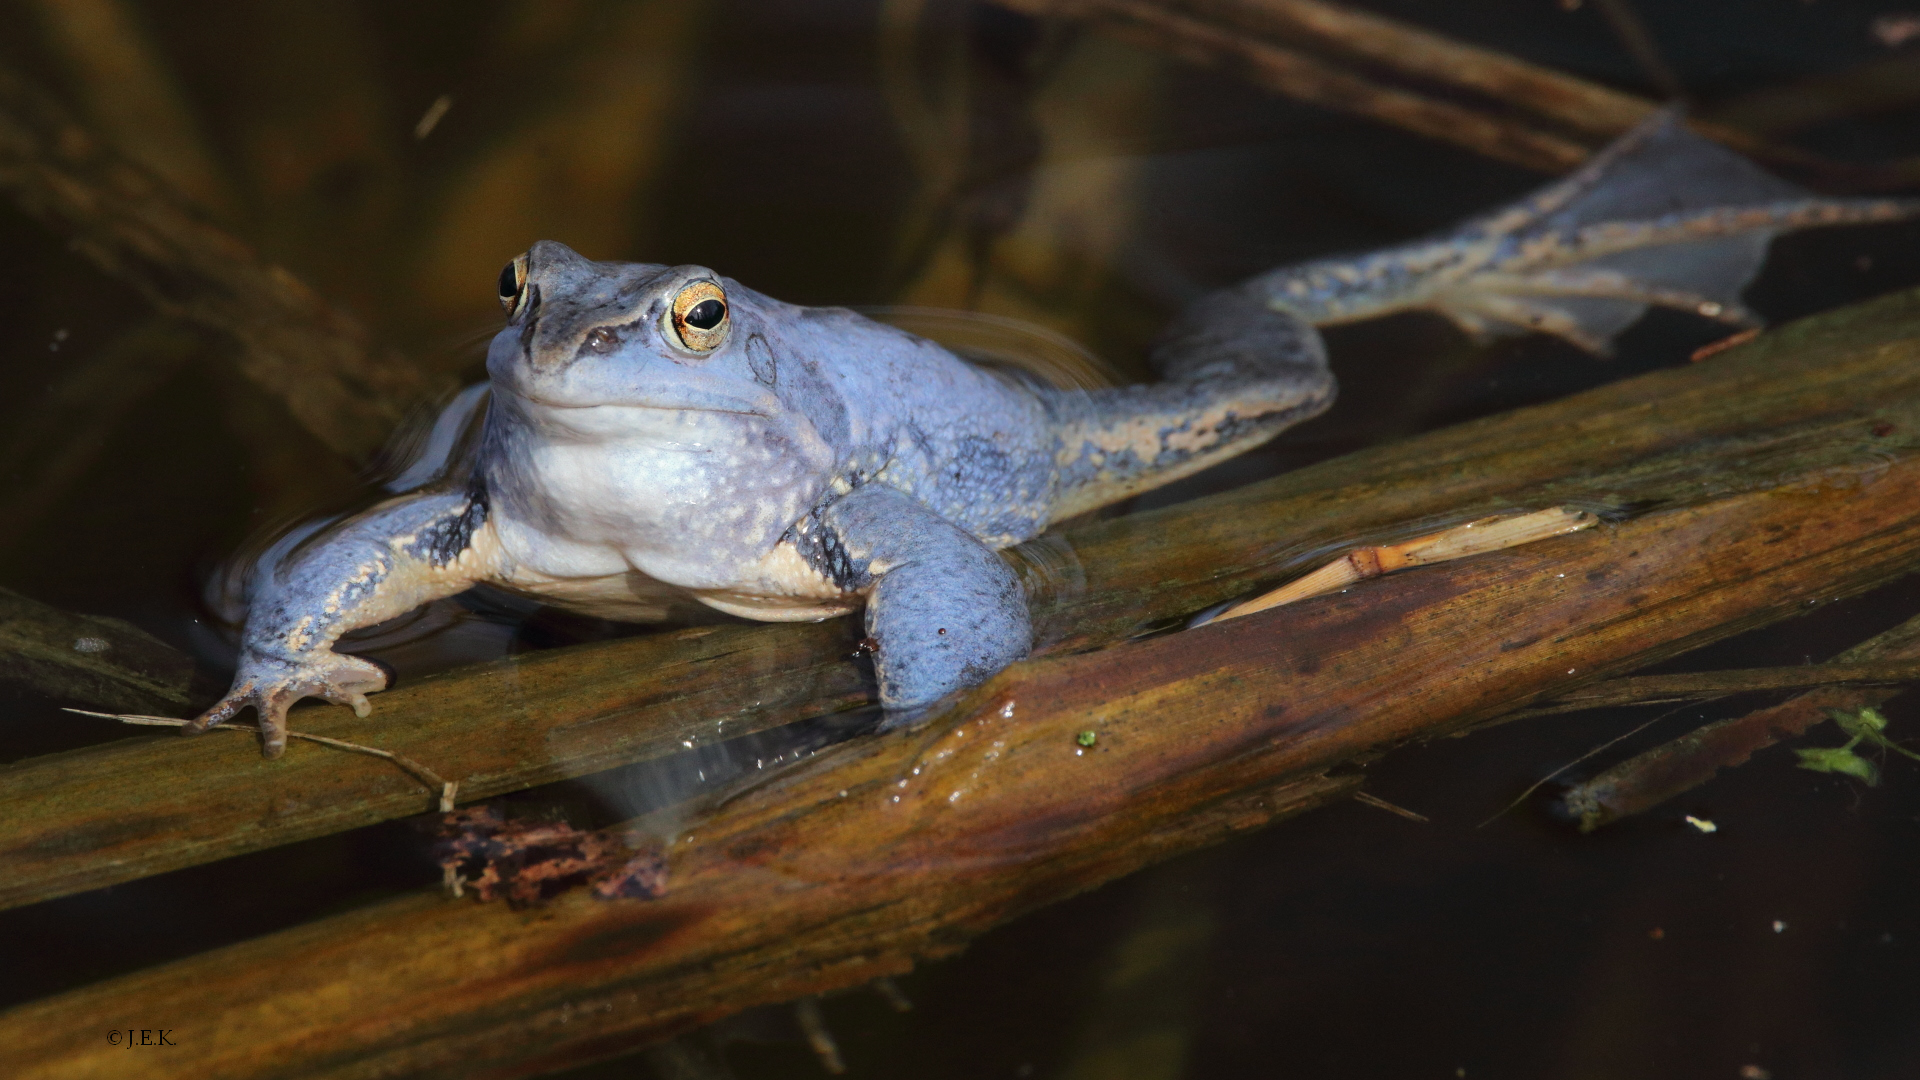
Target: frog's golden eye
column 700, row 316
column 513, row 286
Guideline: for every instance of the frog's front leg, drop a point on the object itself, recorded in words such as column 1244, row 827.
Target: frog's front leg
column 944, row 610
column 380, row 564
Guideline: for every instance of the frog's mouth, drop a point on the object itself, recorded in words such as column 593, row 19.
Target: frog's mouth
column 720, row 407
column 644, row 407
column 682, row 427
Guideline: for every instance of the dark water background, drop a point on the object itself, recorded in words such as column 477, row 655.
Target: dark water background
column 1106, row 185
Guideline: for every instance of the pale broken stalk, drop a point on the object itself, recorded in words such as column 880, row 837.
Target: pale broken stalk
column 1473, row 538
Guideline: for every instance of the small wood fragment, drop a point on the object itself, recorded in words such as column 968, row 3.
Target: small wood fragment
column 891, row 993
column 527, row 863
column 1713, row 348
column 813, row 1025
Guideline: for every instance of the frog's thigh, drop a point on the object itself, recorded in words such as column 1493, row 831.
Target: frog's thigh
column 945, row 611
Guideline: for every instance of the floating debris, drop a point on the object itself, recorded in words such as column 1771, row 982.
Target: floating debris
column 1863, row 726
column 1895, row 29
column 1703, row 824
column 525, row 863
column 432, row 117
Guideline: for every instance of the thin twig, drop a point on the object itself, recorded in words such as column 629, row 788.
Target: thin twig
column 1543, row 781
column 1713, row 348
column 1700, row 685
column 448, row 789
column 1379, row 803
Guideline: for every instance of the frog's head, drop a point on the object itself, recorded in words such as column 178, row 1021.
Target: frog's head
column 585, row 335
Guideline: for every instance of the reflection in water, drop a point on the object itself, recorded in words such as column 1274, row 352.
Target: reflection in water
column 1051, row 573
column 673, row 792
column 1002, row 342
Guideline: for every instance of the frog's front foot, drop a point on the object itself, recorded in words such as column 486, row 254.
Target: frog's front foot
column 270, row 685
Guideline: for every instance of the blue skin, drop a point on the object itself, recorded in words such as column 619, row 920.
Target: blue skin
column 791, row 463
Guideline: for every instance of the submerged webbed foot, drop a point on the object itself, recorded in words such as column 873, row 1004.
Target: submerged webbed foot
column 1661, row 218
column 270, row 685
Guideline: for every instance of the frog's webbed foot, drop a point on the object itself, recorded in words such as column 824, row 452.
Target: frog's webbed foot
column 1660, row 218
column 270, row 685
column 944, row 610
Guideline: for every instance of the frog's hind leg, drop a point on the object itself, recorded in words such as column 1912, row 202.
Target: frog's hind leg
column 1235, row 372
column 1662, row 218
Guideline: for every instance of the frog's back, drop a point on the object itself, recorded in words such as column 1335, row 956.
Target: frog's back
column 971, row 445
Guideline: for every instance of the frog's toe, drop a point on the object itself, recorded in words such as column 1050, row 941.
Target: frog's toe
column 348, row 680
column 271, row 686
column 238, row 698
column 269, row 702
column 273, row 722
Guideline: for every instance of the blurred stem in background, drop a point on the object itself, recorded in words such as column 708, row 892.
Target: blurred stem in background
column 1025, row 142
column 128, row 91
column 579, row 162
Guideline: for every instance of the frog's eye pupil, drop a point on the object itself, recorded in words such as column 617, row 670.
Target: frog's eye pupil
column 706, row 314
column 697, row 318
column 509, row 283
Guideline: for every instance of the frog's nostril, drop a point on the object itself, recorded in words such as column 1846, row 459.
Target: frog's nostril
column 603, row 339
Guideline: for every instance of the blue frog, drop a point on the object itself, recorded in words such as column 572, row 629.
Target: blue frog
column 659, row 432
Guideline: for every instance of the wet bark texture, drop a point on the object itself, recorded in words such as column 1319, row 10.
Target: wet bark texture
column 88, row 659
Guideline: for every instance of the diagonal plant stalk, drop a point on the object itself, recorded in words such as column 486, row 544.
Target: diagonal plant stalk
column 1405, row 76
